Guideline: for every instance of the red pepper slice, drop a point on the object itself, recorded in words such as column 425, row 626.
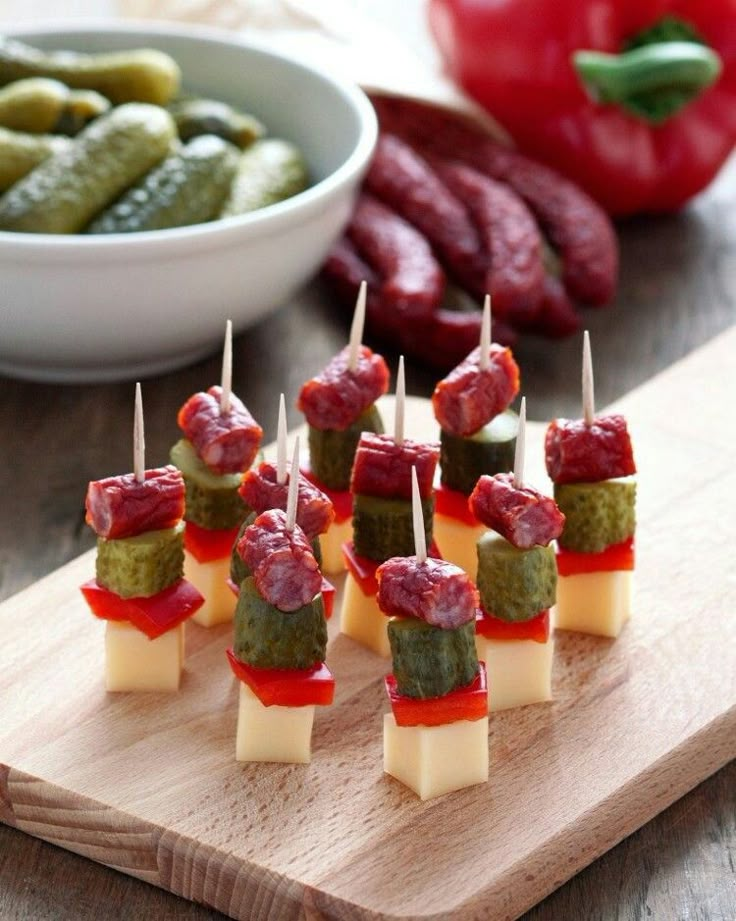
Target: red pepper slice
column 363, row 570
column 493, row 628
column 153, row 616
column 328, row 595
column 342, row 499
column 286, row 687
column 467, row 703
column 206, row 544
column 453, row 504
column 613, row 558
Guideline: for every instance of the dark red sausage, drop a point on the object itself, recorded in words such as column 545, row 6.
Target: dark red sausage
column 557, row 316
column 436, row 591
column 119, row 506
column 578, row 453
column 261, row 490
column 283, row 565
column 383, row 469
column 524, row 516
column 409, row 185
column 337, row 396
column 468, row 398
column 227, row 442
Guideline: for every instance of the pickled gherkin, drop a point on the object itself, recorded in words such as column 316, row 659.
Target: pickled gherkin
column 212, row 499
column 269, row 171
column 194, row 117
column 143, row 565
column 515, row 584
column 596, row 514
column 429, row 661
column 331, row 453
column 268, row 638
column 490, row 450
column 21, row 152
column 383, row 528
column 41, row 106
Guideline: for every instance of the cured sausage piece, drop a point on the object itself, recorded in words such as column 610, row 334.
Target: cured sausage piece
column 435, row 591
column 468, row 398
column 283, row 565
column 382, row 468
column 227, row 442
column 261, row 490
column 404, row 181
column 524, row 516
column 412, row 281
column 120, row 506
column 578, row 453
column 574, row 223
column 337, row 396
column 515, row 277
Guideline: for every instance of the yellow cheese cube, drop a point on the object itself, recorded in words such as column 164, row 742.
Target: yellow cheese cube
column 432, row 760
column 211, row 580
column 362, row 620
column 331, row 543
column 457, row 542
column 519, row 671
column 272, row 733
column 594, row 602
column 135, row 663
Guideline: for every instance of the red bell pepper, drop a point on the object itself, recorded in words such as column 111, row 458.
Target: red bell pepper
column 286, row 687
column 154, row 615
column 467, row 703
column 633, row 99
column 453, row 504
column 613, row 558
column 493, row 628
column 206, row 544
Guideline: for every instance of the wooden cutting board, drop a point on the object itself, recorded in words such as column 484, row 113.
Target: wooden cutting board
column 148, row 783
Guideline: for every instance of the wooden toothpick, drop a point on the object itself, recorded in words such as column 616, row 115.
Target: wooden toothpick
column 139, row 438
column 356, row 329
column 400, row 404
column 485, row 335
column 420, row 539
column 293, row 488
column 520, row 447
column 227, row 368
column 281, row 443
column 588, row 390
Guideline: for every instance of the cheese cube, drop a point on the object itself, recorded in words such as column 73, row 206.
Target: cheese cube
column 331, row 543
column 135, row 663
column 457, row 542
column 211, row 580
column 594, row 602
column 362, row 620
column 519, row 671
column 272, row 733
column 432, row 760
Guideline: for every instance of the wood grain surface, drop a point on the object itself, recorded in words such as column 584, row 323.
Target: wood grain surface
column 147, row 783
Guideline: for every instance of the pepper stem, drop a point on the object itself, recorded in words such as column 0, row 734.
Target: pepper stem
column 653, row 81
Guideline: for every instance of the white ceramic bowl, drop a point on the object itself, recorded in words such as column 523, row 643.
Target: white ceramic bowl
column 76, row 308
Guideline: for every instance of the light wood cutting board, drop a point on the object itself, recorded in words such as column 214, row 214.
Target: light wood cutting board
column 148, row 783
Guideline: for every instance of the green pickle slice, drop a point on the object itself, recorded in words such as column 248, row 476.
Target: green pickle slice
column 212, row 499
column 331, row 453
column 515, row 584
column 143, row 565
column 490, row 450
column 383, row 528
column 596, row 514
column 429, row 661
column 268, row 638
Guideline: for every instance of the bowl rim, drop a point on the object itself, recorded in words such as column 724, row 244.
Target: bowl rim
column 267, row 219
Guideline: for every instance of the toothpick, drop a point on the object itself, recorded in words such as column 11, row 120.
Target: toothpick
column 139, row 438
column 420, row 539
column 281, row 443
column 227, row 368
column 356, row 329
column 400, row 403
column 293, row 488
column 588, row 390
column 485, row 335
column 520, row 447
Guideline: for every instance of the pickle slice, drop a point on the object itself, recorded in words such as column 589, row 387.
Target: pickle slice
column 515, row 584
column 596, row 514
column 143, row 565
column 490, row 450
column 383, row 528
column 212, row 499
column 331, row 453
column 429, row 661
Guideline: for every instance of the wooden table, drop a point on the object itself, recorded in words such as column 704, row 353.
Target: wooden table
column 678, row 289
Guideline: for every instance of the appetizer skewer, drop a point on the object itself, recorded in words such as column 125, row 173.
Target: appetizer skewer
column 517, row 579
column 339, row 404
column 139, row 587
column 435, row 740
column 280, row 638
column 382, row 519
column 591, row 463
column 477, row 437
column 221, row 440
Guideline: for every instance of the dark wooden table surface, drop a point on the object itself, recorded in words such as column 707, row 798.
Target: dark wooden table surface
column 678, row 289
